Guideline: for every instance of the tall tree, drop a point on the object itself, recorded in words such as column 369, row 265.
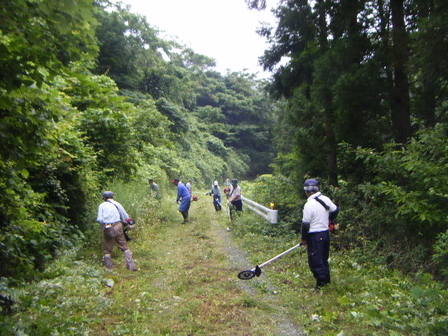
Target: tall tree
column 428, row 36
column 401, row 114
column 329, row 144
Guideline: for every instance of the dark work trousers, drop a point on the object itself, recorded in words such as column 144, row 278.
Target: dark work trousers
column 217, row 202
column 238, row 205
column 318, row 252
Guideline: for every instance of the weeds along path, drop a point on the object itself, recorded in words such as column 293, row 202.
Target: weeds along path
column 188, row 285
column 258, row 289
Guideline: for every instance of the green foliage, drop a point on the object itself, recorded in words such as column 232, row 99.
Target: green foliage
column 365, row 296
column 343, row 73
column 37, row 39
column 176, row 114
column 440, row 256
column 415, row 180
column 401, row 212
column 69, row 290
column 107, row 131
column 283, row 192
column 44, row 168
column 128, row 48
column 240, row 115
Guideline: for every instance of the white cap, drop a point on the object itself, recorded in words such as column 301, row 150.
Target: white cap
column 215, row 183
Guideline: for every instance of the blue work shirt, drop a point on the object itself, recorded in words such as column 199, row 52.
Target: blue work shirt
column 182, row 192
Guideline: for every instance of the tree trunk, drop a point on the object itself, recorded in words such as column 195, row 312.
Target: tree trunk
column 330, row 145
column 401, row 117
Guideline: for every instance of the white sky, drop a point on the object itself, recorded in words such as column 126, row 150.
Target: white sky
column 221, row 29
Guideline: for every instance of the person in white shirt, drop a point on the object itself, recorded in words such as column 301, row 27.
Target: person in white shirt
column 317, row 213
column 111, row 214
column 216, row 193
column 235, row 195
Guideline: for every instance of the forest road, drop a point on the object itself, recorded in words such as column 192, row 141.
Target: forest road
column 238, row 261
column 188, row 281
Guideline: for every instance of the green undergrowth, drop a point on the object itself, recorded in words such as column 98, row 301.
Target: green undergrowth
column 184, row 286
column 187, row 285
column 363, row 299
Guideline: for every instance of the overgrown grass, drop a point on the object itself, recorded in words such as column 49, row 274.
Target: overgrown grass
column 363, row 299
column 186, row 285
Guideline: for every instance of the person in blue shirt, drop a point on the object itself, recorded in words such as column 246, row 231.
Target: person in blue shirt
column 184, row 197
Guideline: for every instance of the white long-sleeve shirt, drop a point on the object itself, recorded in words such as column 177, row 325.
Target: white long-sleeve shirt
column 235, row 193
column 111, row 211
column 315, row 214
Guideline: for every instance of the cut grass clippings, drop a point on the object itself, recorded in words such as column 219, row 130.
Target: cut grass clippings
column 187, row 284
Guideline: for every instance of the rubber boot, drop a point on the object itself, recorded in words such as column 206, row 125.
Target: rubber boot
column 129, row 260
column 108, row 261
column 185, row 216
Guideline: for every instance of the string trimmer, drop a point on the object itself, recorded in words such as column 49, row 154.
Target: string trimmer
column 249, row 274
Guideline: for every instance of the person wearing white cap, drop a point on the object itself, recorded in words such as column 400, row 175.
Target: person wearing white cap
column 216, row 194
column 111, row 214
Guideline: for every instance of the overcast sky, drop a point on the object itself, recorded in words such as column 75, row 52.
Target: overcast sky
column 222, row 29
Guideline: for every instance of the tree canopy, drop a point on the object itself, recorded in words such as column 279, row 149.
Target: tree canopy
column 363, row 86
column 90, row 93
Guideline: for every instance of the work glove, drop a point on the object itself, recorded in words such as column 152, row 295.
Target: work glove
column 332, row 226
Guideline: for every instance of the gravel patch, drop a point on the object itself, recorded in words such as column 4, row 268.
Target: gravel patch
column 239, row 262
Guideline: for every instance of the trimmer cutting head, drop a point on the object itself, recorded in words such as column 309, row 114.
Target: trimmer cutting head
column 249, row 274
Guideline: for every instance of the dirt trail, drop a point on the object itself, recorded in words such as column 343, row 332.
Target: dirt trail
column 188, row 284
column 238, row 261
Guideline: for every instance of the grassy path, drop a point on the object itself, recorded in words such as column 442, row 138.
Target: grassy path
column 187, row 283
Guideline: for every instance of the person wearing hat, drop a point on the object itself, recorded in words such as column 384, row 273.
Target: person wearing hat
column 235, row 195
column 154, row 188
column 317, row 213
column 111, row 214
column 216, row 193
column 184, row 197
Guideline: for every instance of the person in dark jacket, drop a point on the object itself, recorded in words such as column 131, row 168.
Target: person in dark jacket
column 154, row 189
column 235, row 195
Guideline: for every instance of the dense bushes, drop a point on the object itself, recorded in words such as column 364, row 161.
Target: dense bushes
column 67, row 129
column 398, row 218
